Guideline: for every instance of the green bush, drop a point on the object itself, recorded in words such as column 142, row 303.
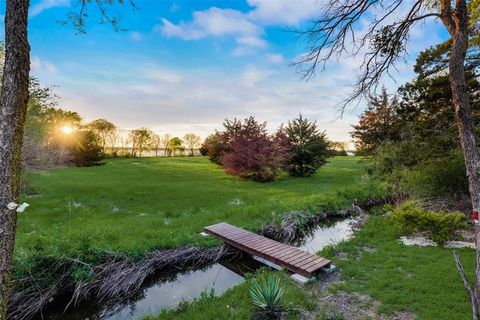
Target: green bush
column 439, row 226
column 405, row 170
column 85, row 149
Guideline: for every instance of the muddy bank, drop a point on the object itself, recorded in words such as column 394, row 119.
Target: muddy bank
column 299, row 224
column 164, row 290
column 117, row 278
column 120, row 278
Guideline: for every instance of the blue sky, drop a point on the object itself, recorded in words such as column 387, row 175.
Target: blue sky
column 184, row 66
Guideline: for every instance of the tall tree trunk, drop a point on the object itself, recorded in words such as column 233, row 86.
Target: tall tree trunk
column 466, row 130
column 13, row 108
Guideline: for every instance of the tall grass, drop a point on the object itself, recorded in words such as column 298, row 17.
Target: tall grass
column 133, row 205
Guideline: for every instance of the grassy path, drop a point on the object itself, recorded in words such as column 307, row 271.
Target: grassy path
column 165, row 202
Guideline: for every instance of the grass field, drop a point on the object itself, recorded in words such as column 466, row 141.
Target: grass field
column 165, row 202
column 421, row 281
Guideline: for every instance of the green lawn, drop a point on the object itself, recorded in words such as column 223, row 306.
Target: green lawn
column 420, row 281
column 423, row 281
column 165, row 202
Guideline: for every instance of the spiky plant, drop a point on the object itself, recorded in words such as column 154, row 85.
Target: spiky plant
column 268, row 294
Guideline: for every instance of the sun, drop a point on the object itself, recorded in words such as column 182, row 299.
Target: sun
column 67, row 129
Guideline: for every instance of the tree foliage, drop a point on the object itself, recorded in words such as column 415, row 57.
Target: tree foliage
column 175, row 145
column 418, row 152
column 45, row 142
column 215, row 145
column 338, row 148
column 307, row 146
column 105, row 131
column 140, row 140
column 378, row 123
column 253, row 153
column 85, row 149
column 192, row 140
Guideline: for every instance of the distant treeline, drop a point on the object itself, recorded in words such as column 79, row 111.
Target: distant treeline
column 56, row 137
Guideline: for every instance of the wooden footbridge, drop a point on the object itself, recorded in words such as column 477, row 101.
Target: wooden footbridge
column 282, row 255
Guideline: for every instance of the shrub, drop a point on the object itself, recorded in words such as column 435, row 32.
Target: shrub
column 252, row 153
column 203, row 150
column 267, row 294
column 406, row 171
column 214, row 146
column 308, row 147
column 85, row 149
column 439, row 226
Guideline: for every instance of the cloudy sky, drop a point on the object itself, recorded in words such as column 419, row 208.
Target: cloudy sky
column 184, row 66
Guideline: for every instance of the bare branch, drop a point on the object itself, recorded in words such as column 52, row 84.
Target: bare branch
column 336, row 33
column 466, row 284
column 79, row 19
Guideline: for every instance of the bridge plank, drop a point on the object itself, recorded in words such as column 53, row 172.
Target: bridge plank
column 288, row 257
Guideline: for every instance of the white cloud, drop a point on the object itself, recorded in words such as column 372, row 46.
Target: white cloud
column 251, row 41
column 183, row 100
column 252, row 76
column 43, row 5
column 211, row 22
column 246, row 28
column 284, row 12
column 197, row 100
column 275, row 58
column 40, row 66
column 217, row 22
column 242, row 51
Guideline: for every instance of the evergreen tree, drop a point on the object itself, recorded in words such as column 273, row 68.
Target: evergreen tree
column 308, row 147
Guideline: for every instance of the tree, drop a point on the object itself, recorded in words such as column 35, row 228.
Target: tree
column 378, row 123
column 253, row 154
column 425, row 160
column 308, row 147
column 13, row 109
column 141, row 140
column 166, row 143
column 156, row 143
column 175, row 144
column 387, row 35
column 105, row 131
column 338, row 148
column 192, row 141
column 215, row 146
column 85, row 148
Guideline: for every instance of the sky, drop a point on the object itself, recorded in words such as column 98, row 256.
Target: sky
column 185, row 66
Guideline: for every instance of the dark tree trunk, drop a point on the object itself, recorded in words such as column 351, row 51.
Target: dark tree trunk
column 13, row 108
column 466, row 128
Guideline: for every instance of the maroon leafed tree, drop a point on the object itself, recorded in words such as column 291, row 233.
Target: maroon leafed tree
column 253, row 153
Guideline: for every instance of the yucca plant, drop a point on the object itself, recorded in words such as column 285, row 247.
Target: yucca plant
column 268, row 295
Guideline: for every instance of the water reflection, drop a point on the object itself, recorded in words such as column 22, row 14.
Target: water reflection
column 166, row 291
column 332, row 232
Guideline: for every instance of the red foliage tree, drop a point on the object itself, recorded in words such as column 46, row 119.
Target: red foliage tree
column 253, row 153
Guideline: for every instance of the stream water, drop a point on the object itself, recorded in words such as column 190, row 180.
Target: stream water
column 166, row 291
